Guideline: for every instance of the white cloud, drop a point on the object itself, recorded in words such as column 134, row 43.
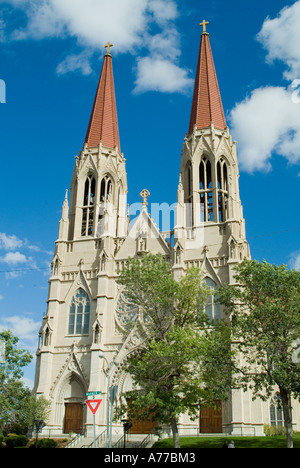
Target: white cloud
column 155, row 74
column 91, row 22
column 8, row 242
column 28, row 382
column 1, row 298
column 281, row 38
column 2, row 29
column 163, row 10
column 268, row 121
column 144, row 28
column 265, row 123
column 295, row 260
column 24, row 328
column 165, row 45
column 72, row 63
column 14, row 258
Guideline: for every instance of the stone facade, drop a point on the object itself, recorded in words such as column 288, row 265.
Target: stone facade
column 86, row 309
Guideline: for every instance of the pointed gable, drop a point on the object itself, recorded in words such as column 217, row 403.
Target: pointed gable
column 103, row 124
column 144, row 231
column 207, row 105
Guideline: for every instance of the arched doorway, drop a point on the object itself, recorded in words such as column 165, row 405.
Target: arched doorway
column 139, row 426
column 73, row 398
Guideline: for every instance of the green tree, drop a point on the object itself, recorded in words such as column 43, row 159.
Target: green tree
column 181, row 363
column 265, row 315
column 34, row 408
column 12, row 390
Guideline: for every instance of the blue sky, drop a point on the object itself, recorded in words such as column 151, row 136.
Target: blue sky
column 50, row 59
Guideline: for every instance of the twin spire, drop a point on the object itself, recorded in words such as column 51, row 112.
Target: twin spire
column 103, row 126
column 207, row 105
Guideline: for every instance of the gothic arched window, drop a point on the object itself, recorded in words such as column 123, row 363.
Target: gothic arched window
column 88, row 211
column 188, row 180
column 47, row 337
column 222, row 182
column 206, row 192
column 106, row 189
column 188, row 190
column 212, row 307
column 79, row 317
column 276, row 415
column 97, row 334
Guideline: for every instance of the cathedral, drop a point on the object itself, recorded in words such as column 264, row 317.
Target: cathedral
column 82, row 348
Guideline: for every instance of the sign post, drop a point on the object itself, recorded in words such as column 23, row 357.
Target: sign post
column 93, row 406
column 112, row 396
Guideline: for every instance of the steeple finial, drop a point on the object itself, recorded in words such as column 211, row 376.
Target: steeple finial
column 108, row 46
column 145, row 194
column 204, row 24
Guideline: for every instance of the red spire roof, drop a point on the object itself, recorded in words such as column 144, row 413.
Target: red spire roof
column 103, row 125
column 207, row 105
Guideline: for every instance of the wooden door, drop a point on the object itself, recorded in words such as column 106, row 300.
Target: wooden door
column 142, row 427
column 211, row 419
column 73, row 418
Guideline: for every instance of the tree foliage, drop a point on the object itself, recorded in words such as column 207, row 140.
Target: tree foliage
column 264, row 307
column 182, row 361
column 34, row 408
column 12, row 391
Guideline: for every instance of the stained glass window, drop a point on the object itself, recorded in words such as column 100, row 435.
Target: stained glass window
column 79, row 318
column 212, row 307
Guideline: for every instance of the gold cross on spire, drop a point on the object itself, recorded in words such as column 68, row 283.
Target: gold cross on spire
column 108, row 46
column 204, row 24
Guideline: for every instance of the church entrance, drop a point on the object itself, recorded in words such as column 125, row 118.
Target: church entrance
column 142, row 427
column 73, row 418
column 211, row 419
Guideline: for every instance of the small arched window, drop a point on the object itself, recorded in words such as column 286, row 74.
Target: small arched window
column 79, row 317
column 97, row 334
column 188, row 192
column 222, row 182
column 47, row 337
column 206, row 193
column 88, row 210
column 106, row 189
column 212, row 307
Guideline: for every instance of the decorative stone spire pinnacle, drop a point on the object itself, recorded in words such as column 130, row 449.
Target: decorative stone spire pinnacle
column 64, row 221
column 145, row 194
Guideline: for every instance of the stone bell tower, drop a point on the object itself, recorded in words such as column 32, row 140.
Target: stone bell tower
column 210, row 227
column 79, row 319
column 210, row 223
